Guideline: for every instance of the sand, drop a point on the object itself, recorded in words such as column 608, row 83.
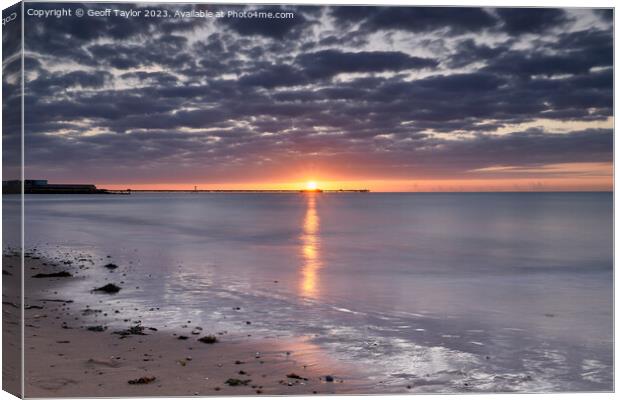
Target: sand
column 64, row 358
column 11, row 325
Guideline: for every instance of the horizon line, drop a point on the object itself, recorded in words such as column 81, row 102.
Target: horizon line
column 319, row 190
column 288, row 188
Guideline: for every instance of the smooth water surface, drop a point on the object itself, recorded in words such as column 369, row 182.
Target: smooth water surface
column 449, row 292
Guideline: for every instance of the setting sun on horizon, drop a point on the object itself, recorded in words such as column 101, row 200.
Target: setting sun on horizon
column 592, row 181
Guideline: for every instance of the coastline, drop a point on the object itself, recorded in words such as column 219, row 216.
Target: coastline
column 409, row 318
column 72, row 351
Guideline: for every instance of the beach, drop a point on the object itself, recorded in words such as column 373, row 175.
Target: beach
column 315, row 199
column 385, row 293
column 77, row 351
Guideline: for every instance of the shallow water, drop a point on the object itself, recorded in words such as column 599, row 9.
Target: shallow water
column 446, row 292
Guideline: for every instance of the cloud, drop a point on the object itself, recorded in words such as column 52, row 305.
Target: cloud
column 275, row 75
column 327, row 63
column 469, row 52
column 454, row 20
column 435, row 91
column 518, row 21
column 575, row 53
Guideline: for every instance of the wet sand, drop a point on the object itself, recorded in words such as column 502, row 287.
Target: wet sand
column 66, row 354
column 11, row 324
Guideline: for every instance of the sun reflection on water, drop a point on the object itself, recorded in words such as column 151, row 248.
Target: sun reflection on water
column 310, row 249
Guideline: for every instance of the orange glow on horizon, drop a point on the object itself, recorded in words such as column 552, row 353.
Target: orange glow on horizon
column 553, row 177
column 437, row 185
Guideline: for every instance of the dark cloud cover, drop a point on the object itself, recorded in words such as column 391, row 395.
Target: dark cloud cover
column 327, row 63
column 370, row 87
column 530, row 20
column 11, row 93
column 454, row 20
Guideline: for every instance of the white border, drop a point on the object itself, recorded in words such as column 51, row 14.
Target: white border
column 479, row 3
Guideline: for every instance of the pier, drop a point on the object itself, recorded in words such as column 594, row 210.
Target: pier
column 42, row 186
column 246, row 191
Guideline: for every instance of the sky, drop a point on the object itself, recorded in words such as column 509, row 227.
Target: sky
column 380, row 98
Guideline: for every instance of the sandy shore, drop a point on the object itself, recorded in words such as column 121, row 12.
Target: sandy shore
column 11, row 324
column 68, row 355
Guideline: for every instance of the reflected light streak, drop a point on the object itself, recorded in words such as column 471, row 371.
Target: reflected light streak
column 310, row 249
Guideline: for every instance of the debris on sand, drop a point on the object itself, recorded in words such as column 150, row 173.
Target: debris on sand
column 181, row 337
column 209, row 339
column 237, row 382
column 295, row 376
column 329, row 378
column 97, row 328
column 56, row 301
column 111, row 266
column 132, row 330
column 61, row 274
column 109, row 288
column 142, row 381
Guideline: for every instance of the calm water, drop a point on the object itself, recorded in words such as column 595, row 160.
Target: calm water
column 448, row 292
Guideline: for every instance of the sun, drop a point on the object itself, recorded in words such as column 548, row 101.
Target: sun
column 311, row 185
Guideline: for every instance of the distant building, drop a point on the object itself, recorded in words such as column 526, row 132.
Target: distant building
column 36, row 182
column 41, row 186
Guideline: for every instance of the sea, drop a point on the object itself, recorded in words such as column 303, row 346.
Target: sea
column 443, row 292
